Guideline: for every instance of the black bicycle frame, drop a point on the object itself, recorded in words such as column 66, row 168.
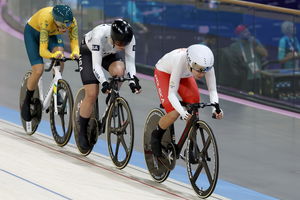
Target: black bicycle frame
column 184, row 134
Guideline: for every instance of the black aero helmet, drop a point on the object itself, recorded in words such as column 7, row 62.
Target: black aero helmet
column 121, row 32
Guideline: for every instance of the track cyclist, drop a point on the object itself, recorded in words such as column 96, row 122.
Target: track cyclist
column 99, row 49
column 175, row 73
column 42, row 36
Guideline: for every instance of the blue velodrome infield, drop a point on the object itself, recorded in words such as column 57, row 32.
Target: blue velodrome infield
column 223, row 188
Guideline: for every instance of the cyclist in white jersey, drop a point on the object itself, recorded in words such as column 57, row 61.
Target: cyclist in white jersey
column 175, row 73
column 100, row 48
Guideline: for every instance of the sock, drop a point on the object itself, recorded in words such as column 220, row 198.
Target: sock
column 29, row 95
column 159, row 132
column 83, row 124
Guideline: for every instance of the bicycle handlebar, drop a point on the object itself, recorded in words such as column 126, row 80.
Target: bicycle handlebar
column 54, row 60
column 196, row 106
column 120, row 79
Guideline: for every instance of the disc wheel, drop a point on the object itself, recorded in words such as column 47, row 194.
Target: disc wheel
column 35, row 107
column 156, row 168
column 76, row 125
column 202, row 159
column 120, row 132
column 61, row 123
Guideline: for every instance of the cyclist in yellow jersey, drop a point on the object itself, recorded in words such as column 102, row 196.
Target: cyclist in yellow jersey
column 42, row 36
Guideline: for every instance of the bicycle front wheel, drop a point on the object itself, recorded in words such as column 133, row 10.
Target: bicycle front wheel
column 202, row 159
column 120, row 132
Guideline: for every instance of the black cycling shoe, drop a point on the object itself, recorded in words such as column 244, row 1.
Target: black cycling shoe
column 156, row 143
column 84, row 142
column 25, row 112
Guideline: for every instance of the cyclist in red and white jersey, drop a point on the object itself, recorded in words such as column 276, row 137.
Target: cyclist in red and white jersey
column 99, row 49
column 175, row 73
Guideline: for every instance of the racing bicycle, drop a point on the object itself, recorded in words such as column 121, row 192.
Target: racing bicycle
column 201, row 152
column 116, row 122
column 58, row 102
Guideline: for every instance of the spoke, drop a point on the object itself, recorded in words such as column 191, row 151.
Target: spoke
column 197, row 172
column 209, row 177
column 206, row 145
column 124, row 126
column 121, row 138
column 62, row 122
column 117, row 148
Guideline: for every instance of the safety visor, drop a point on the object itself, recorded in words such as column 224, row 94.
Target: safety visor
column 62, row 25
column 201, row 69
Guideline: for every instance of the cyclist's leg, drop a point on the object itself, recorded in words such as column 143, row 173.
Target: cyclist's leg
column 162, row 85
column 91, row 87
column 114, row 64
column 86, row 108
column 31, row 39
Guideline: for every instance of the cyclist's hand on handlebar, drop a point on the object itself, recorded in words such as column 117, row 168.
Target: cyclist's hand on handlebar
column 58, row 54
column 105, row 87
column 217, row 115
column 186, row 116
column 74, row 55
column 135, row 87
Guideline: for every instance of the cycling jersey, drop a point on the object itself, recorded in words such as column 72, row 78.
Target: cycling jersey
column 100, row 44
column 175, row 63
column 43, row 22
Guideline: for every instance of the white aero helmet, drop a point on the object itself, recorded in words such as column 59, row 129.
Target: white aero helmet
column 200, row 57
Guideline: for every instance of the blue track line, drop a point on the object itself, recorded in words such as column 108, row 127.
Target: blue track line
column 35, row 184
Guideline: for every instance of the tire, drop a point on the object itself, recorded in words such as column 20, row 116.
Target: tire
column 120, row 132
column 61, row 123
column 75, row 119
column 203, row 174
column 156, row 169
column 36, row 109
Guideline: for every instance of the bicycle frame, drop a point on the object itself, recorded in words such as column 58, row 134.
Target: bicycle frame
column 185, row 134
column 51, row 91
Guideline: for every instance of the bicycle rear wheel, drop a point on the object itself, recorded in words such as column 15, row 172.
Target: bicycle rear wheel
column 35, row 108
column 202, row 159
column 92, row 127
column 156, row 169
column 61, row 123
column 120, row 132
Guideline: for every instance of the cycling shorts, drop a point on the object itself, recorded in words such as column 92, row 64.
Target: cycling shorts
column 187, row 90
column 32, row 44
column 86, row 72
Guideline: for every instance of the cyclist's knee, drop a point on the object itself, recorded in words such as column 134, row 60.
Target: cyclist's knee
column 91, row 96
column 117, row 68
column 37, row 70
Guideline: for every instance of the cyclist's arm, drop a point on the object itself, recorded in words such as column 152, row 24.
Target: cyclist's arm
column 97, row 60
column 44, row 38
column 130, row 58
column 173, row 88
column 73, row 35
column 211, row 85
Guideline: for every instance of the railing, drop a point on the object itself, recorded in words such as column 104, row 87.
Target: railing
column 161, row 26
